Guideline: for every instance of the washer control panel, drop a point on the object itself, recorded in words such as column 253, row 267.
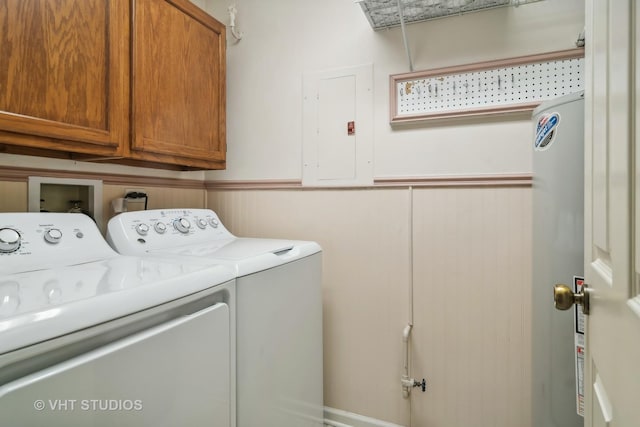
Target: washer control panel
column 138, row 232
column 34, row 241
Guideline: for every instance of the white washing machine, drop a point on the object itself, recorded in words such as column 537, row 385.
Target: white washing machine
column 89, row 337
column 279, row 308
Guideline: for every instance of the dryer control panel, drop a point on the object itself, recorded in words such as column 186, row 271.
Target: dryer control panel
column 140, row 232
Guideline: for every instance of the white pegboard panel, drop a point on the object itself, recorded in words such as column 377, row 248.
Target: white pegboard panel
column 491, row 90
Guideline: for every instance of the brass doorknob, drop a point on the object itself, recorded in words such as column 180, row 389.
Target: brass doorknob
column 564, row 298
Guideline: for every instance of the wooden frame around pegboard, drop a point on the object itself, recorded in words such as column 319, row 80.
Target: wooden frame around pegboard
column 493, row 87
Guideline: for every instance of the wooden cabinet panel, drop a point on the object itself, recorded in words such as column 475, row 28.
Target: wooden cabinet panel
column 178, row 85
column 65, row 75
column 139, row 82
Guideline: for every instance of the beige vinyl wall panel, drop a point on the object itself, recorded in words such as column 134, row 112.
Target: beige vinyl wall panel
column 159, row 198
column 364, row 236
column 13, row 196
column 472, row 286
column 471, row 273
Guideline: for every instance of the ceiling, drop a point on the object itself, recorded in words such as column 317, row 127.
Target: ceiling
column 385, row 13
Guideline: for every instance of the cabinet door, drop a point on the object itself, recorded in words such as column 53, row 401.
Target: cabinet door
column 178, row 89
column 64, row 77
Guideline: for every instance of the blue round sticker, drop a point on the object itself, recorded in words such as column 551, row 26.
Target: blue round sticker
column 546, row 131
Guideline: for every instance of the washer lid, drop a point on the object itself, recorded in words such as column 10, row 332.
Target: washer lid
column 40, row 305
column 247, row 255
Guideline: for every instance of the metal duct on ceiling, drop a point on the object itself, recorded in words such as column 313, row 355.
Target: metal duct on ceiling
column 385, row 13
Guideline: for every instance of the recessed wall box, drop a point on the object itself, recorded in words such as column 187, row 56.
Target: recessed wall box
column 47, row 194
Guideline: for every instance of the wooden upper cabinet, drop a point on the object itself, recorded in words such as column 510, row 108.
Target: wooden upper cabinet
column 178, row 85
column 139, row 82
column 64, row 78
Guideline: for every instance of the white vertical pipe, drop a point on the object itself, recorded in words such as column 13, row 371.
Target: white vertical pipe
column 406, row 380
column 411, row 256
column 404, row 35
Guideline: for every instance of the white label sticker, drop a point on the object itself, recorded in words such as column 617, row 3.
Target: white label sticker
column 579, row 317
column 579, row 320
column 580, row 380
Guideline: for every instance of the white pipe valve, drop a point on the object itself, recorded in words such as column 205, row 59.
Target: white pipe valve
column 232, row 22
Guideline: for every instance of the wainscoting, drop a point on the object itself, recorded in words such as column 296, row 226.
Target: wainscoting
column 459, row 246
column 339, row 418
column 162, row 192
column 462, row 248
column 13, row 196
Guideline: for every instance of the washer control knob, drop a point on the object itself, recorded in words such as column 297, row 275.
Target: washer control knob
column 142, row 229
column 160, row 227
column 202, row 223
column 214, row 222
column 182, row 225
column 9, row 240
column 53, row 236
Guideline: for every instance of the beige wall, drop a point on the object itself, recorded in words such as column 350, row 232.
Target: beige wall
column 472, row 311
column 286, row 39
column 159, row 197
column 470, row 244
column 471, row 268
column 14, row 197
column 470, row 271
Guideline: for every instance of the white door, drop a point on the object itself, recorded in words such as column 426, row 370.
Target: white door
column 612, row 221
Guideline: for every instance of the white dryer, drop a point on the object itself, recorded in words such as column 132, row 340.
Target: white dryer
column 279, row 308
column 91, row 337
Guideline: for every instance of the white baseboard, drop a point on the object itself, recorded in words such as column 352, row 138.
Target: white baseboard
column 339, row 418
